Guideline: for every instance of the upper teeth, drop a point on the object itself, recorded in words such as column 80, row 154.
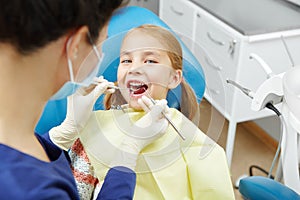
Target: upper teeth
column 135, row 84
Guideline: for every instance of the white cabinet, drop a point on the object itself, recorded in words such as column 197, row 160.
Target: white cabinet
column 228, row 57
column 230, row 52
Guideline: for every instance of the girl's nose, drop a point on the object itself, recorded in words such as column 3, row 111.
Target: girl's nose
column 136, row 69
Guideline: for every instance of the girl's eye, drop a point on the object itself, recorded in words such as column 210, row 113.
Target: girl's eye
column 151, row 61
column 125, row 61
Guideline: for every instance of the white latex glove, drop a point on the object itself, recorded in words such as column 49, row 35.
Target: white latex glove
column 146, row 130
column 79, row 109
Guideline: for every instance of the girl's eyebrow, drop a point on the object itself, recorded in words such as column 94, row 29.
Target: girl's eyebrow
column 124, row 53
column 147, row 52
column 150, row 53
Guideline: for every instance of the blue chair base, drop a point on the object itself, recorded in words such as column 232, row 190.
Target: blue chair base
column 260, row 188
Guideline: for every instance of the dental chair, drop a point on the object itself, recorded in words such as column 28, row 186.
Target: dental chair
column 122, row 21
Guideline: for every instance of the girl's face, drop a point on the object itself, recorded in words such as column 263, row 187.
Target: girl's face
column 145, row 69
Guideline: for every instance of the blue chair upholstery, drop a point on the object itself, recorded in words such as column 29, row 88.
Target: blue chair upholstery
column 54, row 113
column 123, row 20
column 260, row 188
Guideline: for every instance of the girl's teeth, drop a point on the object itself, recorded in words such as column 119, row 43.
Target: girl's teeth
column 137, row 87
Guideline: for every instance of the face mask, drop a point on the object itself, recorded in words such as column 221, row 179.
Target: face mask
column 71, row 86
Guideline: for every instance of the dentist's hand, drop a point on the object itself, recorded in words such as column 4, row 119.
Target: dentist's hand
column 80, row 104
column 146, row 130
column 151, row 126
column 79, row 109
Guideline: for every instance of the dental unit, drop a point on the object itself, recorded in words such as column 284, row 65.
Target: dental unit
column 283, row 88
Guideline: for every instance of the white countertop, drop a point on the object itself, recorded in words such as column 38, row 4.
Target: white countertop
column 251, row 17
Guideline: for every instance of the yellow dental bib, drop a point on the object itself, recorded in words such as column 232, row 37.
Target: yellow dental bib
column 169, row 168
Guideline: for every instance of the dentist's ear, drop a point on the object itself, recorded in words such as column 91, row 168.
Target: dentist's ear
column 77, row 43
column 175, row 79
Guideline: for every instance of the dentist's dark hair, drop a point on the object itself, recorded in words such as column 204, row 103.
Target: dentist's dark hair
column 31, row 24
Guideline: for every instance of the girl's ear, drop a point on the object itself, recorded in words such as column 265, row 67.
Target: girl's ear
column 175, row 79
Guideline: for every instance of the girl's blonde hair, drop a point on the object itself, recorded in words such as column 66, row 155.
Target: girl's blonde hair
column 188, row 103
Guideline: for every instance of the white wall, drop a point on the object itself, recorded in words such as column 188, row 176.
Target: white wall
column 152, row 5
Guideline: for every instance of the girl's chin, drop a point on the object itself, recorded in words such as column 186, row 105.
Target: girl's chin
column 134, row 104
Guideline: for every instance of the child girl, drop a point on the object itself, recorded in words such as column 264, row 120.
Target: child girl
column 170, row 167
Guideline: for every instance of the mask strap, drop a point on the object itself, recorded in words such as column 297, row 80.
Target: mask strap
column 70, row 65
column 94, row 46
column 96, row 52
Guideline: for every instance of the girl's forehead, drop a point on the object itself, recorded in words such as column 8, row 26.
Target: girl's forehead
column 138, row 40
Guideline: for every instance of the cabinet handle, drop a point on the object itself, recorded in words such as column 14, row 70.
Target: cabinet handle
column 212, row 65
column 176, row 11
column 214, row 40
column 231, row 48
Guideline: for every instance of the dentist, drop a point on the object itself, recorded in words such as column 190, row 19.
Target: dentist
column 49, row 49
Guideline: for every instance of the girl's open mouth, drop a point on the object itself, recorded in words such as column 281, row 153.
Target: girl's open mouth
column 137, row 87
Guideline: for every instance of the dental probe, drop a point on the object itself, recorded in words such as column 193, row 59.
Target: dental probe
column 246, row 91
column 113, row 87
column 109, row 87
column 168, row 119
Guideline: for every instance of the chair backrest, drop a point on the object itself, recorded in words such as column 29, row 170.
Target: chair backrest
column 53, row 115
column 122, row 21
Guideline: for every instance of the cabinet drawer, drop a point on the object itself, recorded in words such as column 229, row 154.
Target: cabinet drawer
column 179, row 15
column 216, row 62
column 213, row 38
column 218, row 92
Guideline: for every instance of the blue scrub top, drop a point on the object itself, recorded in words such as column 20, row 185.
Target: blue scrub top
column 25, row 177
